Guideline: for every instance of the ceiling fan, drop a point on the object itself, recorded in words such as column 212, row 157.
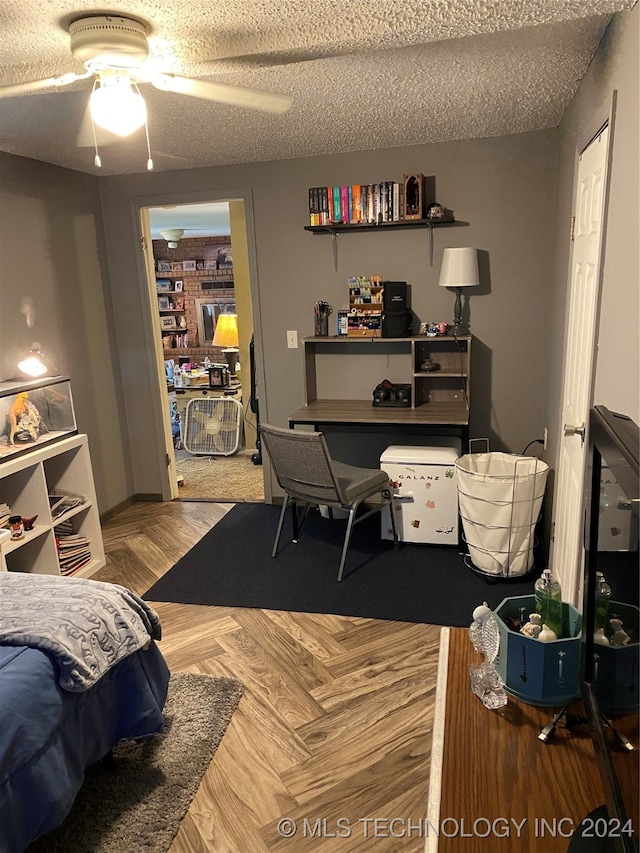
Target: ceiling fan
column 114, row 50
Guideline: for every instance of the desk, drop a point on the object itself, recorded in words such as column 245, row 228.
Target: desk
column 441, row 417
column 440, row 399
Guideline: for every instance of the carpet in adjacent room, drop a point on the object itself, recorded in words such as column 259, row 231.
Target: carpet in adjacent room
column 138, row 804
column 232, row 566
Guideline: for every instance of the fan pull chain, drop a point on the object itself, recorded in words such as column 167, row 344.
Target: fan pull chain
column 97, row 162
column 149, row 161
column 146, row 131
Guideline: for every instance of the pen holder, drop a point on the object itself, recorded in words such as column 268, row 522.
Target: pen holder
column 322, row 325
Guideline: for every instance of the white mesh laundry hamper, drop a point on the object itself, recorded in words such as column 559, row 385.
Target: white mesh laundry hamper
column 500, row 497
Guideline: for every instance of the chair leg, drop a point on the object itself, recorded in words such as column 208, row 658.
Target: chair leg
column 283, row 512
column 347, row 539
column 396, row 542
column 295, row 526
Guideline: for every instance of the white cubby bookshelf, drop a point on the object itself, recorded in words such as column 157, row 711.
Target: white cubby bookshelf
column 25, row 485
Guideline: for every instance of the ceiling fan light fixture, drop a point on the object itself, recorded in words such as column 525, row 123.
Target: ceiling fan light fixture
column 115, row 106
column 172, row 235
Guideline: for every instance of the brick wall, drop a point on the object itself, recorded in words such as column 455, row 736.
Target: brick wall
column 199, row 249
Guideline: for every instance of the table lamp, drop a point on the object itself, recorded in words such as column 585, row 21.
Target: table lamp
column 459, row 269
column 226, row 336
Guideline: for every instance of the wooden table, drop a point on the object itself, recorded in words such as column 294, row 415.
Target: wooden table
column 494, row 785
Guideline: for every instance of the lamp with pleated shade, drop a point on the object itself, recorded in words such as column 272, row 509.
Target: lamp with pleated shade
column 226, row 337
column 459, row 269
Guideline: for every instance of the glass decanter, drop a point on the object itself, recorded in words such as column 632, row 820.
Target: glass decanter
column 485, row 637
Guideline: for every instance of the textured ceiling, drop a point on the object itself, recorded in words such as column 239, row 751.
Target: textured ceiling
column 364, row 74
column 197, row 220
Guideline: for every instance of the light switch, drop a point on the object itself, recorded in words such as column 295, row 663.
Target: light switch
column 292, row 339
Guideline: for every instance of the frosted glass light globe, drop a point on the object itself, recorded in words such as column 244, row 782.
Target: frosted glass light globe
column 118, row 109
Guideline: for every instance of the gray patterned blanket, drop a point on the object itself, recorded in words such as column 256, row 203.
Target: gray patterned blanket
column 87, row 626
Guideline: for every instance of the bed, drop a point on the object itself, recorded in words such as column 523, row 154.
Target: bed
column 79, row 671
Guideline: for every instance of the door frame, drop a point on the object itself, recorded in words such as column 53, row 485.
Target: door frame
column 155, row 366
column 603, row 117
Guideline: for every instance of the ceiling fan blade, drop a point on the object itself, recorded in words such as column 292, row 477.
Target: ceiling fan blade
column 233, row 95
column 38, row 85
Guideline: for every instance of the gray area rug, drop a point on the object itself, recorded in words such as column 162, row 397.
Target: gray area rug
column 137, row 806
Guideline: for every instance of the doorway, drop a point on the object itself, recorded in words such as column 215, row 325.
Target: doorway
column 199, row 258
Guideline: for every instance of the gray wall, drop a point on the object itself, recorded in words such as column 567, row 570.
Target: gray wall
column 502, row 187
column 51, row 247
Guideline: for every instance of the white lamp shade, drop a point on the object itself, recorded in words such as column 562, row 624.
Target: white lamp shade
column 459, row 268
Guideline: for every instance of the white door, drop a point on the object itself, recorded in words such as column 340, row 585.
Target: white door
column 580, row 336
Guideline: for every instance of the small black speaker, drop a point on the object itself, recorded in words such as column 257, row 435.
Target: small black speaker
column 397, row 324
column 395, row 296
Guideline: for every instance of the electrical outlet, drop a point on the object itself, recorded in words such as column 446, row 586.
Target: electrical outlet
column 544, row 439
column 292, row 340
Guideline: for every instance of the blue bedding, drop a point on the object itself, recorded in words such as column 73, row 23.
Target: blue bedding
column 49, row 735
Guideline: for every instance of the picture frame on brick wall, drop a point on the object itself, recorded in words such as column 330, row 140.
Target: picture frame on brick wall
column 178, row 285
column 176, row 266
column 224, row 257
column 210, row 264
column 189, row 266
column 164, row 266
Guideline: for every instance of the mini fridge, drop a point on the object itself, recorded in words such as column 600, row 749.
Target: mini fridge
column 425, row 494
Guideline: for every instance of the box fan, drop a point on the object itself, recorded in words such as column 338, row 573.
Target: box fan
column 212, row 426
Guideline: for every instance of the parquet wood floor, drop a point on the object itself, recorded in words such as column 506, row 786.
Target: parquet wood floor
column 333, row 733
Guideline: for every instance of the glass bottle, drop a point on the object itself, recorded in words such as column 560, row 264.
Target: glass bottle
column 548, row 596
column 603, row 597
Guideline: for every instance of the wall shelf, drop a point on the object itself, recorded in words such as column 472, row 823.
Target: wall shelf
column 341, row 228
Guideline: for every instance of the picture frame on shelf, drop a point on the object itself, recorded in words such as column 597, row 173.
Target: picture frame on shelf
column 164, row 266
column 224, row 258
column 167, row 323
column 178, row 285
column 176, row 266
column 163, row 303
column 189, row 266
column 216, row 377
column 210, row 264
column 178, row 303
column 199, row 265
column 163, row 285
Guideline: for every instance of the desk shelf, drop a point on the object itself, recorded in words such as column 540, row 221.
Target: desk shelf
column 440, row 400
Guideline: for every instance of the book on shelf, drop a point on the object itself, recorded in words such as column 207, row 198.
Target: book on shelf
column 62, row 501
column 74, row 549
column 356, row 204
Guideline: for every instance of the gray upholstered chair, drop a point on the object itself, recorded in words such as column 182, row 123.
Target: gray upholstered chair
column 306, row 472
